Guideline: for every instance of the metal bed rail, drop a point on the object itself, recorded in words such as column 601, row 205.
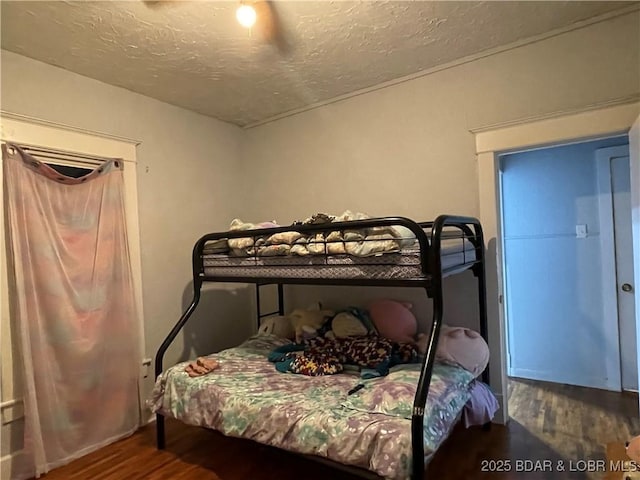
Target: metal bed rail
column 312, row 229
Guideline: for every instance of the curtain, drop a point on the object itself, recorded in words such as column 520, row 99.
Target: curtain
column 74, row 307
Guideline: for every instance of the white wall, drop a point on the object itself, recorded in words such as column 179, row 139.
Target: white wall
column 187, row 172
column 554, row 291
column 356, row 152
column 407, row 149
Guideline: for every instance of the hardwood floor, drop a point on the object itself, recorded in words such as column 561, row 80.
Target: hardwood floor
column 549, row 422
column 560, row 423
column 576, row 422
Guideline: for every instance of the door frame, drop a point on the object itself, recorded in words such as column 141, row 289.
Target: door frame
column 493, row 142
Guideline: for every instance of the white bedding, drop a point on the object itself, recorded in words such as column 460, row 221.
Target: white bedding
column 457, row 254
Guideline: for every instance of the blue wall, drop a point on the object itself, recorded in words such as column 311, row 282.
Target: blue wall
column 553, row 278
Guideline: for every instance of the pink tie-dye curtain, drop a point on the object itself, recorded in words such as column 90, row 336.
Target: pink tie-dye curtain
column 74, row 308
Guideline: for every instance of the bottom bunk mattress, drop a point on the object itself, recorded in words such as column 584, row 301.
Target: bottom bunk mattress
column 247, row 397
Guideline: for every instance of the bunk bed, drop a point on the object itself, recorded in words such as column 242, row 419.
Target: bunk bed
column 427, row 253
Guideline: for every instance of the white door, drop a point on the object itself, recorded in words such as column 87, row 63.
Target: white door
column 621, row 191
column 634, row 151
column 614, row 183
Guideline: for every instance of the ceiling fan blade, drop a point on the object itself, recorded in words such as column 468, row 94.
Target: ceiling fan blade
column 270, row 27
column 158, row 4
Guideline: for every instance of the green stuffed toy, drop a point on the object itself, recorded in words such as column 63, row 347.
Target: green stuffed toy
column 350, row 322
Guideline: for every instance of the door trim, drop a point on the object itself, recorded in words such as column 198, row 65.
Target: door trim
column 608, row 256
column 600, row 123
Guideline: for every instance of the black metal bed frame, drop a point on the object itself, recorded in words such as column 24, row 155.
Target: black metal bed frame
column 431, row 281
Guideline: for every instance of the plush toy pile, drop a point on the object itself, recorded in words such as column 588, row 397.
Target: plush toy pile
column 632, row 448
column 623, row 460
column 326, row 356
column 375, row 339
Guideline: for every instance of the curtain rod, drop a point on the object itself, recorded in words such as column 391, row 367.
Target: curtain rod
column 55, row 154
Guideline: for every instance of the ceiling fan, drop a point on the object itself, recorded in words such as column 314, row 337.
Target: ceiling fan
column 260, row 16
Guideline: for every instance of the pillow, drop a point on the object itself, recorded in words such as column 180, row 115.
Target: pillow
column 464, row 347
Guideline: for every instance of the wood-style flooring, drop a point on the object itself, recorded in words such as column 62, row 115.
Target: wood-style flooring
column 549, row 422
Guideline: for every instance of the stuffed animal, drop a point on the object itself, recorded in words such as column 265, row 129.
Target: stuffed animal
column 632, row 448
column 394, row 320
column 632, row 467
column 279, row 325
column 620, row 462
column 344, row 325
column 631, row 471
column 350, row 322
column 464, row 347
column 306, row 323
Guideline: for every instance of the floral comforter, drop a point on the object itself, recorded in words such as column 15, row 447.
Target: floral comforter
column 371, row 428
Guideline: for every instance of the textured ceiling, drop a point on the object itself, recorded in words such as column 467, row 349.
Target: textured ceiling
column 195, row 55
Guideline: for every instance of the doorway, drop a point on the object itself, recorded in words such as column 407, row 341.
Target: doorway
column 592, row 123
column 559, row 305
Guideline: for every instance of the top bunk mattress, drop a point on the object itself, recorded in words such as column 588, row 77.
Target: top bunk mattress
column 457, row 254
column 247, row 397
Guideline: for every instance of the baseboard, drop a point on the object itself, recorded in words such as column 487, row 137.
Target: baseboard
column 552, row 377
column 8, row 463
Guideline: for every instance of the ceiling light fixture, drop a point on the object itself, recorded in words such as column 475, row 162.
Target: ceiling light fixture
column 246, row 15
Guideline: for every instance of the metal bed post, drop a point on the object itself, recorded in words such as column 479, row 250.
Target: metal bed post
column 479, row 272
column 196, row 265
column 258, row 311
column 280, row 311
column 424, row 382
column 197, row 284
column 433, row 290
column 280, row 299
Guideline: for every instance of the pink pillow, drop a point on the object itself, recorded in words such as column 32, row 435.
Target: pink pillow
column 464, row 347
column 394, row 320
